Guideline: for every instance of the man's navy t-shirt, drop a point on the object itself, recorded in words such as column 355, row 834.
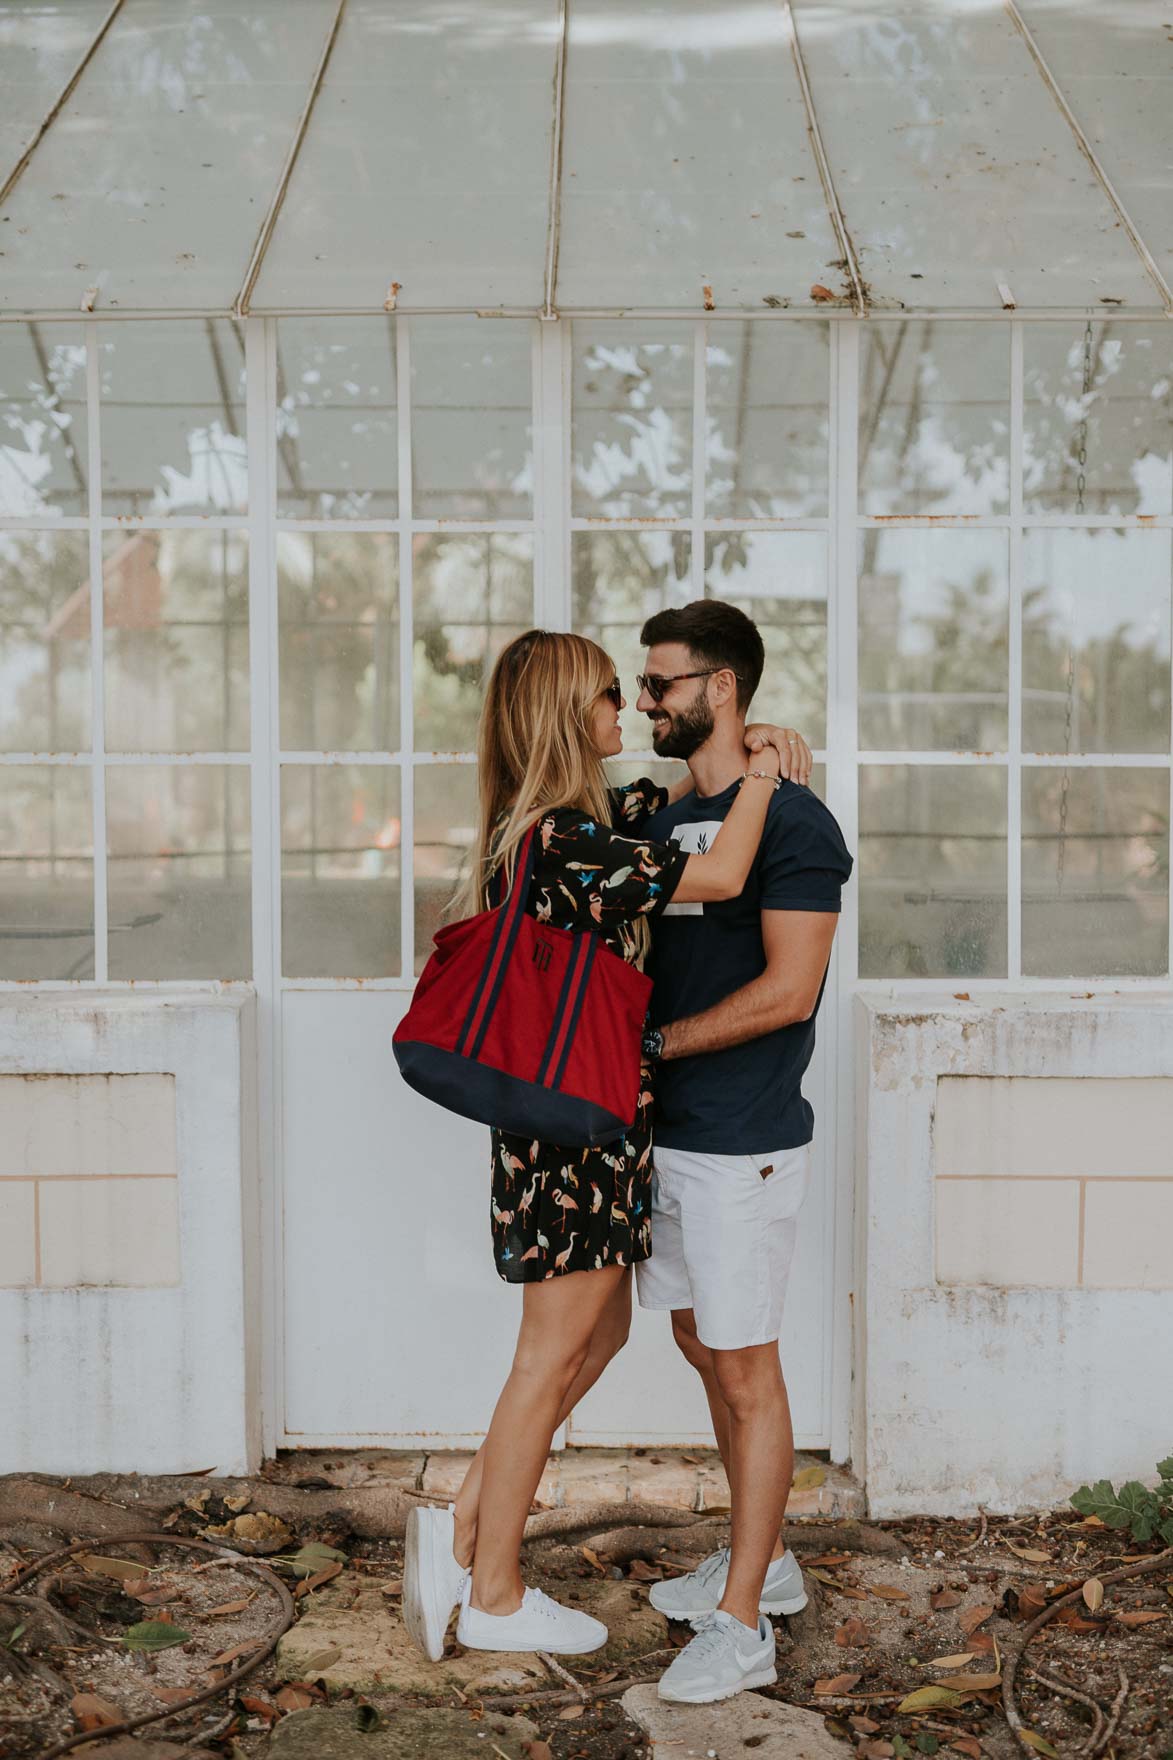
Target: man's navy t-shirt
column 747, row 1099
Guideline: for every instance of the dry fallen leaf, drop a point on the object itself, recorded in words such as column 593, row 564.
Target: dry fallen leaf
column 925, row 1698
column 945, row 1598
column 875, row 1750
column 570, row 1712
column 830, row 1559
column 819, row 293
column 851, row 1632
column 227, row 1607
column 865, row 1725
column 125, row 1569
column 972, row 1618
column 889, row 1592
column 393, row 1586
column 296, row 1697
column 313, row 1665
column 641, row 1572
column 973, row 1683
column 1140, row 1619
column 227, row 1657
column 1039, row 1743
column 322, row 1576
column 838, row 1683
column 540, row 1751
column 592, row 1557
column 967, row 1745
column 174, row 1695
column 1093, row 1593
column 1031, row 1553
column 260, row 1707
column 93, row 1712
column 810, row 1477
column 958, row 1661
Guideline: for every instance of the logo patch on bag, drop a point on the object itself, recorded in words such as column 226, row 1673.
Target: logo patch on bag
column 542, row 954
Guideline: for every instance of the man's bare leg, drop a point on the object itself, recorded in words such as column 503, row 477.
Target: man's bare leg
column 702, row 1360
column 761, row 1466
column 607, row 1340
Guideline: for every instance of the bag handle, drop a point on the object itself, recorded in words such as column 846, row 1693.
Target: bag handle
column 505, row 931
column 523, row 870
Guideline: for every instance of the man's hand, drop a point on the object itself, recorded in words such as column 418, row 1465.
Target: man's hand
column 797, row 946
column 794, row 755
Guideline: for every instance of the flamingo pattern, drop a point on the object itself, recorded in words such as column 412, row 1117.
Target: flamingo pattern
column 556, row 1210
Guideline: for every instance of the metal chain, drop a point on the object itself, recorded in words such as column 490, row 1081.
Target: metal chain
column 1069, row 713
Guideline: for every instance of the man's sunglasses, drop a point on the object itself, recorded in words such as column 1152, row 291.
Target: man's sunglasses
column 657, row 685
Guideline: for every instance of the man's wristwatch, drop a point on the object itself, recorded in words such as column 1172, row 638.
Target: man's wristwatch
column 653, row 1044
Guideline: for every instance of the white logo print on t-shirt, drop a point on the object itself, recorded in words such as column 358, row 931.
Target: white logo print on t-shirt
column 696, row 838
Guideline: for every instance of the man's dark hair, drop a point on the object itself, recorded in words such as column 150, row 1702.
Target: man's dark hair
column 715, row 634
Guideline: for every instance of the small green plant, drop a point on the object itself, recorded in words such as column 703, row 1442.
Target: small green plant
column 1147, row 1513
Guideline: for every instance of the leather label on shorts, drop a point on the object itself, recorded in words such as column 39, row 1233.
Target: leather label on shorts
column 767, row 1170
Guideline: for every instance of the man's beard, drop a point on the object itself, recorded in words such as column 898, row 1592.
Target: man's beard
column 685, row 732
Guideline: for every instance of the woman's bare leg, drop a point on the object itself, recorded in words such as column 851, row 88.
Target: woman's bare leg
column 558, row 1320
column 607, row 1340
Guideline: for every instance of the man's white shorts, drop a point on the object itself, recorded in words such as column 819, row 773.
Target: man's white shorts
column 723, row 1233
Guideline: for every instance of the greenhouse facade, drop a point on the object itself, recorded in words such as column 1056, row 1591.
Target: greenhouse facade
column 339, row 343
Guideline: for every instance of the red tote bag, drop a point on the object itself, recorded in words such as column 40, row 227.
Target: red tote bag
column 532, row 1029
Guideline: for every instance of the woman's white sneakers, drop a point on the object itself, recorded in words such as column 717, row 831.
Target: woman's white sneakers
column 699, row 1593
column 433, row 1582
column 538, row 1624
column 724, row 1658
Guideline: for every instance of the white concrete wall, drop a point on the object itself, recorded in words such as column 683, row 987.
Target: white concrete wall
column 1015, row 1248
column 129, row 1263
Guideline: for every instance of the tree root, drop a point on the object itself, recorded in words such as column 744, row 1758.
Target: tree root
column 1065, row 1690
column 264, row 1648
column 1012, row 1658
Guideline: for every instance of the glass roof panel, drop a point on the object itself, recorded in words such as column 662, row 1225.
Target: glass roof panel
column 686, row 161
column 40, row 46
column 1115, row 68
column 426, row 162
column 152, row 183
column 954, row 165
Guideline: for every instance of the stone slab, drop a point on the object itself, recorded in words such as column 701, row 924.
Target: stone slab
column 409, row 1734
column 734, row 1729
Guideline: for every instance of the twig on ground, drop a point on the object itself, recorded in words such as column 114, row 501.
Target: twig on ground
column 563, row 1674
column 1066, row 1691
column 1113, row 1716
column 1013, row 1657
column 549, row 1700
column 978, row 1537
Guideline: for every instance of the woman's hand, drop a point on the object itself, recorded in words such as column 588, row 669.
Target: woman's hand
column 794, row 755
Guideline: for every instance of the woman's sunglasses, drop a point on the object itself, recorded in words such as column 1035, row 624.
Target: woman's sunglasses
column 614, row 692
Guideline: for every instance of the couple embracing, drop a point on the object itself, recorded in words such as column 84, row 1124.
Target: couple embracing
column 728, row 887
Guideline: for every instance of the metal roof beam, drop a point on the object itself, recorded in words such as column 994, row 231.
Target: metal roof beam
column 1151, row 265
column 14, row 175
column 241, row 306
column 851, row 265
column 554, row 211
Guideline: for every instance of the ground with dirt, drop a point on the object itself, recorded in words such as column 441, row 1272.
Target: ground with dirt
column 902, row 1650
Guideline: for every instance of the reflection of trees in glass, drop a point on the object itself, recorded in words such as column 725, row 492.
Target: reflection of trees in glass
column 473, row 592
column 793, row 629
column 339, row 614
column 44, row 641
column 42, row 421
column 632, row 423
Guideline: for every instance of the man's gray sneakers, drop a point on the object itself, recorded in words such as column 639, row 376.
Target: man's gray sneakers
column 700, row 1591
column 433, row 1582
column 724, row 1658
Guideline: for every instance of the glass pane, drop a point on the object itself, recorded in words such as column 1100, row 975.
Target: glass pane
column 934, row 418
column 632, row 431
column 178, row 871
column 932, row 865
column 473, row 593
column 173, row 429
column 1095, row 641
column 340, row 870
column 46, row 872
column 619, row 579
column 933, row 634
column 337, row 428
column 339, row 614
column 1098, row 405
column 43, row 461
column 1095, row 872
column 176, row 617
column 44, row 641
column 445, row 831
column 780, row 580
column 471, row 419
column 767, row 411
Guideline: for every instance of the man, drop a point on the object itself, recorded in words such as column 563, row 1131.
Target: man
column 737, row 988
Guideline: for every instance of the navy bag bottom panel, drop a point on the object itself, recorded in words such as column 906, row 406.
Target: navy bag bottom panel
column 525, row 1109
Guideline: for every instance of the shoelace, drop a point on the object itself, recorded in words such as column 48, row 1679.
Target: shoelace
column 715, row 1562
column 711, row 1634
column 539, row 1602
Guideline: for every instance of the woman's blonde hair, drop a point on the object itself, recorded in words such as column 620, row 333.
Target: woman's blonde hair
column 535, row 748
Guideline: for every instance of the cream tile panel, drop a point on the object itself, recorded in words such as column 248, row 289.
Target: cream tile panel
column 1008, row 1232
column 110, row 1232
column 18, row 1241
column 1128, row 1235
column 104, row 1124
column 1024, row 1125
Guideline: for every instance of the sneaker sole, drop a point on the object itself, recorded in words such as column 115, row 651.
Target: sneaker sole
column 534, row 1645
column 793, row 1604
column 419, row 1577
column 765, row 1677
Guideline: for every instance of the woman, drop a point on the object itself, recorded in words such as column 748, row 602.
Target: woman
column 568, row 1224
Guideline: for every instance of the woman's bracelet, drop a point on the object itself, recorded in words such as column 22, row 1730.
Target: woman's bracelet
column 763, row 776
